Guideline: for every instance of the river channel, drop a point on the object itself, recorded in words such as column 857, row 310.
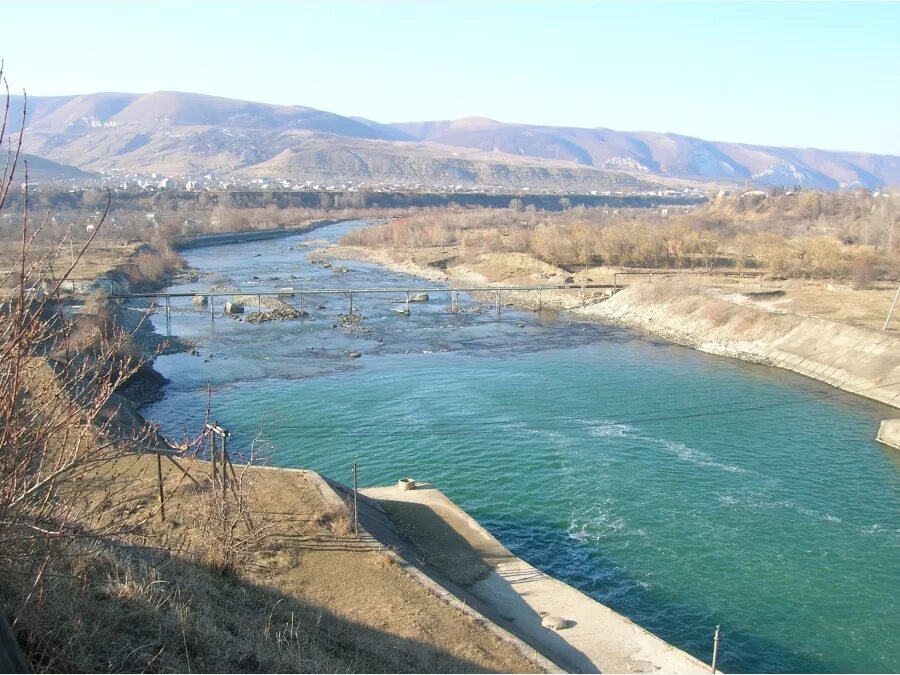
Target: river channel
column 681, row 489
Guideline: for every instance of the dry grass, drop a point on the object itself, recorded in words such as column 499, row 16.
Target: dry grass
column 303, row 596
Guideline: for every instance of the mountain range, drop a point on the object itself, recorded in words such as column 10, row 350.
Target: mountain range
column 183, row 134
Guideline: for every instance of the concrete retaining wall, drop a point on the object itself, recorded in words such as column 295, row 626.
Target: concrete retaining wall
column 889, row 433
column 862, row 361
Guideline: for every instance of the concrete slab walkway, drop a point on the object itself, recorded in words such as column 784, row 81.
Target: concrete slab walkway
column 476, row 567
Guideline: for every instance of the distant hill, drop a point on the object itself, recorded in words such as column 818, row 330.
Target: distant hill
column 42, row 170
column 669, row 155
column 330, row 160
column 182, row 134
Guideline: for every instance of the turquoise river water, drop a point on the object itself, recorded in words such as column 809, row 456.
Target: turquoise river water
column 681, row 489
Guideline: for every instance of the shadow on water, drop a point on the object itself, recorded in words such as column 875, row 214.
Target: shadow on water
column 561, row 556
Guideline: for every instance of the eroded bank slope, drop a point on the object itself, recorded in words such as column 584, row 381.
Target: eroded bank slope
column 741, row 321
column 858, row 360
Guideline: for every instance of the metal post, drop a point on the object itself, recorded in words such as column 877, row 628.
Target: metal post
column 212, row 453
column 168, row 317
column 891, row 311
column 212, row 311
column 715, row 657
column 224, row 463
column 355, row 500
column 540, row 300
column 498, row 303
column 259, row 303
column 351, row 302
column 407, row 302
column 301, row 304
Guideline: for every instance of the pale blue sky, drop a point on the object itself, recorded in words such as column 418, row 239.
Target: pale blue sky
column 806, row 74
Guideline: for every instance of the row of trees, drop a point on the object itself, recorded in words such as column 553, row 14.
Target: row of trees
column 584, row 237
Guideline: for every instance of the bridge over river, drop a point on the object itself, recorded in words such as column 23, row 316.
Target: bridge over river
column 410, row 294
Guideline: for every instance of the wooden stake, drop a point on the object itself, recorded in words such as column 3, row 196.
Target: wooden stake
column 181, row 468
column 224, row 464
column 162, row 499
column 355, row 499
column 212, row 453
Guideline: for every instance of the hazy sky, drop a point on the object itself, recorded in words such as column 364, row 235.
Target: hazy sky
column 806, row 74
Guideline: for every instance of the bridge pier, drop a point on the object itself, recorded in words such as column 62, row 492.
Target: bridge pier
column 168, row 318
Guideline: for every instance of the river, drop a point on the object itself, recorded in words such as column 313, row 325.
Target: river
column 681, row 489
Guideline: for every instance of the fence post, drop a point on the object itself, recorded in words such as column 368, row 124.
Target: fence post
column 159, row 477
column 498, row 303
column 715, row 657
column 212, row 452
column 355, row 501
column 224, row 463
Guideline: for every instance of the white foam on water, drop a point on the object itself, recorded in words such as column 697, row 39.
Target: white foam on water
column 610, row 429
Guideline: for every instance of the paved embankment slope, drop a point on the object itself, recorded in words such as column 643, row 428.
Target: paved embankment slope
column 517, row 596
column 218, row 239
column 889, row 433
column 858, row 360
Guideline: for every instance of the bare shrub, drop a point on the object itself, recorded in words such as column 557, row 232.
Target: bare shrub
column 152, row 265
column 58, row 423
column 863, row 270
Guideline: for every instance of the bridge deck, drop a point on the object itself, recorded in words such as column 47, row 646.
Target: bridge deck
column 288, row 291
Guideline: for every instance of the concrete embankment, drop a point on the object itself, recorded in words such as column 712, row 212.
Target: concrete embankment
column 889, row 433
column 858, row 360
column 218, row 239
column 571, row 629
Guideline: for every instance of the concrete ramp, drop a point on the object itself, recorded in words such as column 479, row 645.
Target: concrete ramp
column 452, row 547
